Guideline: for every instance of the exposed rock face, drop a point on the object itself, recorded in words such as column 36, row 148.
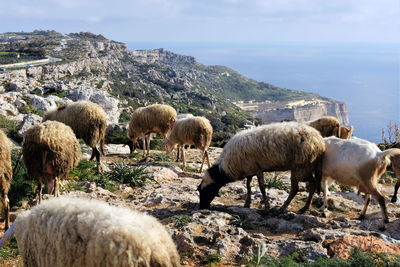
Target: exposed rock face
column 300, row 111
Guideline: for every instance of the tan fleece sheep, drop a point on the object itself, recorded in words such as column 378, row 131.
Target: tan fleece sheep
column 68, row 231
column 396, row 168
column 87, row 120
column 50, row 151
column 195, row 131
column 274, row 147
column 327, row 126
column 155, row 118
column 5, row 176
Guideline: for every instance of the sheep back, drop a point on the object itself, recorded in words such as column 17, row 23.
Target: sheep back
column 52, row 143
column 327, row 126
column 87, row 120
column 5, row 164
column 69, row 231
column 195, row 131
column 274, row 147
column 155, row 118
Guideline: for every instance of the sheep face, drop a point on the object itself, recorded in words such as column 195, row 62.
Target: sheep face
column 212, row 182
column 168, row 146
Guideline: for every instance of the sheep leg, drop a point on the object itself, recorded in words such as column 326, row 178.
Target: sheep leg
column 183, row 157
column 364, row 211
column 261, row 184
column 396, row 188
column 202, row 161
column 381, row 200
column 311, row 192
column 144, row 144
column 56, row 186
column 294, row 188
column 39, row 191
column 325, row 190
column 208, row 159
column 6, row 207
column 148, row 144
column 248, row 196
column 177, row 153
column 95, row 153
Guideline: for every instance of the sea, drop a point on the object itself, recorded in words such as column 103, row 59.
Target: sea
column 365, row 76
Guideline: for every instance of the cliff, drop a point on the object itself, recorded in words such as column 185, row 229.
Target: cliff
column 300, row 111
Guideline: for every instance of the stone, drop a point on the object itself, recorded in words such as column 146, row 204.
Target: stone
column 341, row 247
column 104, row 99
column 28, row 121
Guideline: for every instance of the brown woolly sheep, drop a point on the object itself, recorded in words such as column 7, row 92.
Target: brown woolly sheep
column 274, row 147
column 327, row 126
column 5, row 176
column 87, row 120
column 195, row 131
column 50, row 151
column 155, row 118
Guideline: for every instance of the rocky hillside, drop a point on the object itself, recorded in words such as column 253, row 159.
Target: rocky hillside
column 87, row 66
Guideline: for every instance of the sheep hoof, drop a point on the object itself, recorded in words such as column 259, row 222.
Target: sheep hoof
column 361, row 217
column 302, row 210
column 247, row 204
column 394, row 199
column 386, row 220
column 382, row 228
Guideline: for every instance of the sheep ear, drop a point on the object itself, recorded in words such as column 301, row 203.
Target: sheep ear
column 164, row 143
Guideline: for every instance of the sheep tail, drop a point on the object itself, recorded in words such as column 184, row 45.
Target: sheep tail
column 7, row 236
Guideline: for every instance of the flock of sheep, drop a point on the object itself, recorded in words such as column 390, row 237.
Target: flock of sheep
column 318, row 152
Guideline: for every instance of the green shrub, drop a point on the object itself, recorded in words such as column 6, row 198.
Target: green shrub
column 9, row 251
column 31, row 109
column 240, row 221
column 124, row 174
column 162, row 157
column 211, row 259
column 276, row 182
column 10, row 128
column 22, row 188
column 181, row 220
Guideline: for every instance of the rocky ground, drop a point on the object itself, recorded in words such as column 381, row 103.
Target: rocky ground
column 235, row 232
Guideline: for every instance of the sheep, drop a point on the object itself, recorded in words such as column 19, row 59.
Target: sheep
column 195, row 131
column 155, row 118
column 87, row 120
column 5, row 176
column 274, row 147
column 356, row 162
column 50, row 151
column 69, row 231
column 178, row 117
column 345, row 132
column 396, row 168
column 327, row 126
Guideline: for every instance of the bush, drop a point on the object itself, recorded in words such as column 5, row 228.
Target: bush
column 181, row 220
column 10, row 128
column 22, row 188
column 124, row 174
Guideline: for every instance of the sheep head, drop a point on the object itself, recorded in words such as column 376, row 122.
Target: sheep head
column 213, row 180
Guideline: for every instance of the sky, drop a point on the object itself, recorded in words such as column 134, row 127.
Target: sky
column 210, row 21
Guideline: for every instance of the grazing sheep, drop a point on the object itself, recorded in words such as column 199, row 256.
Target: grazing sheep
column 5, row 176
column 178, row 117
column 155, row 118
column 50, row 151
column 327, row 126
column 195, row 131
column 396, row 168
column 87, row 120
column 68, row 231
column 274, row 147
column 345, row 132
column 356, row 162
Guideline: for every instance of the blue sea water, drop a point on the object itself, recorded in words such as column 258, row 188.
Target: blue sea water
column 364, row 76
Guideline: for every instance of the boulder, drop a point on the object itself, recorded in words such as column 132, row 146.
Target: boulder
column 27, row 122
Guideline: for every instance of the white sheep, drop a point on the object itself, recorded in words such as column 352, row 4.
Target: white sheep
column 195, row 131
column 396, row 168
column 356, row 162
column 274, row 147
column 68, row 231
column 155, row 118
